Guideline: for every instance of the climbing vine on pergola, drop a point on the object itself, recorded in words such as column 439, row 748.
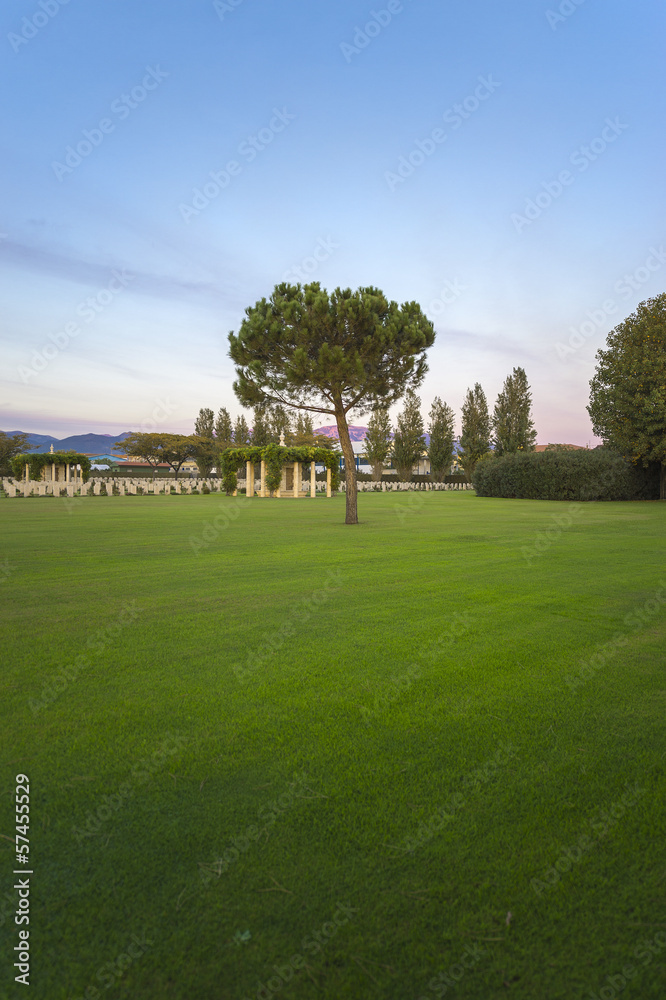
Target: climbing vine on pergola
column 36, row 461
column 276, row 457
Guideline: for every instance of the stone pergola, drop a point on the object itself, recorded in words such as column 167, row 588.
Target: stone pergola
column 293, row 461
column 54, row 467
column 291, row 484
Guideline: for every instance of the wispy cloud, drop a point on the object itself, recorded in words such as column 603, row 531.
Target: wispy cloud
column 496, row 343
column 94, row 273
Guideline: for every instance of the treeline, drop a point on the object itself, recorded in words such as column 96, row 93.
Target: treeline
column 212, row 435
column 508, row 429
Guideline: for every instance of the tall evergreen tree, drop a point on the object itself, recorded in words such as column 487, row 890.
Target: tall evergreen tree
column 280, row 423
column 442, row 439
column 303, row 432
column 475, row 436
column 513, row 428
column 206, row 448
column 377, row 441
column 204, row 425
column 224, row 434
column 241, row 432
column 408, row 439
column 261, row 428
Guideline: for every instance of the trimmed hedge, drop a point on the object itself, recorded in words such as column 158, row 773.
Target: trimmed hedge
column 392, row 477
column 599, row 474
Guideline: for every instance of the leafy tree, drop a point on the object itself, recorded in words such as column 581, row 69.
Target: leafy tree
column 241, row 432
column 330, row 353
column 145, row 447
column 513, row 428
column 172, row 449
column 11, row 445
column 628, row 390
column 205, row 424
column 176, row 449
column 475, row 436
column 408, row 439
column 224, row 434
column 442, row 439
column 377, row 441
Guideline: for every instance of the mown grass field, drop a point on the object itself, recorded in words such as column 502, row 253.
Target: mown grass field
column 309, row 760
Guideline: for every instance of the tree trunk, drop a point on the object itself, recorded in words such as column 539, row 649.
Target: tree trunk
column 662, row 482
column 351, row 514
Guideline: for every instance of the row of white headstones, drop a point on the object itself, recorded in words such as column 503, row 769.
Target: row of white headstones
column 125, row 487
column 131, row 487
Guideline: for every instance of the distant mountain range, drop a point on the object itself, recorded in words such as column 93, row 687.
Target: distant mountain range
column 355, row 433
column 87, row 444
column 99, row 444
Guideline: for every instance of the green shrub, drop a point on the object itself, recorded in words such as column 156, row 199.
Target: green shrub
column 599, row 474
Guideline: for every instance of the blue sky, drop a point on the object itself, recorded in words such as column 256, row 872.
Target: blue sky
column 502, row 164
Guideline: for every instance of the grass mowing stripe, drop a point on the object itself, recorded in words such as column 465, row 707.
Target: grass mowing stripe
column 126, row 823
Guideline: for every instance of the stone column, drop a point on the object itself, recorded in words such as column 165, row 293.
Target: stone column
column 53, row 474
column 249, row 479
column 313, row 479
column 262, row 480
column 66, row 472
column 328, row 482
column 297, row 479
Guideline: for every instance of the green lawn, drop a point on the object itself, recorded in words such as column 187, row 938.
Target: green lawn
column 309, row 760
